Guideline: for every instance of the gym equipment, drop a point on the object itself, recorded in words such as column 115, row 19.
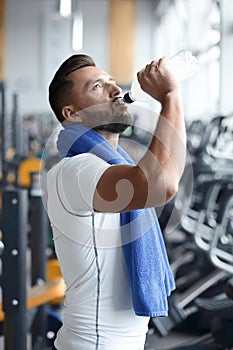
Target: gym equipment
column 179, row 305
column 25, row 303
column 41, row 294
column 14, row 264
column 196, row 223
column 54, row 273
column 17, row 297
column 208, row 228
column 229, row 288
column 54, row 323
column 205, row 162
column 37, row 244
column 178, row 312
column 221, row 247
column 221, row 255
column 21, row 148
column 26, row 167
column 1, row 247
column 3, row 141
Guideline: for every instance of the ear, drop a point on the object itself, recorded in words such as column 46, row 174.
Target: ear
column 70, row 115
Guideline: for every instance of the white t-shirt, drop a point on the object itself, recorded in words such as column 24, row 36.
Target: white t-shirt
column 98, row 313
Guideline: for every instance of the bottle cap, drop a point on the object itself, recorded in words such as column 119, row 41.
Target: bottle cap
column 127, row 98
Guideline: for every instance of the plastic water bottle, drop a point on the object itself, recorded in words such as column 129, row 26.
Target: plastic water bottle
column 182, row 66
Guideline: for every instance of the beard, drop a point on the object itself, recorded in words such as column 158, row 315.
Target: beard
column 109, row 119
column 114, row 128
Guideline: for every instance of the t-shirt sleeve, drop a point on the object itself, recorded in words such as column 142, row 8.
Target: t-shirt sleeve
column 79, row 177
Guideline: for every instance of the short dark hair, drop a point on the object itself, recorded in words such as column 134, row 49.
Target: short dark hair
column 60, row 86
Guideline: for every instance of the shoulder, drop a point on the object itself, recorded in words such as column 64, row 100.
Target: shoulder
column 76, row 179
column 85, row 158
column 80, row 162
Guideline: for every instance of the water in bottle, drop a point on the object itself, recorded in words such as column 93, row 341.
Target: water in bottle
column 182, row 66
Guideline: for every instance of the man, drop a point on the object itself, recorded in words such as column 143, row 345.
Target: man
column 101, row 205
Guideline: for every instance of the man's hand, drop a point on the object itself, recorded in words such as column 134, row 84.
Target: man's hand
column 156, row 80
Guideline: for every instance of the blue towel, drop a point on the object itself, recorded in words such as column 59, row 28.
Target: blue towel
column 143, row 245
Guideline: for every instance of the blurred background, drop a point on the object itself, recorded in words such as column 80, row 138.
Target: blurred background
column 122, row 36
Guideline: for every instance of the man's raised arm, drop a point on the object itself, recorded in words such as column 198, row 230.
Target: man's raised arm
column 154, row 180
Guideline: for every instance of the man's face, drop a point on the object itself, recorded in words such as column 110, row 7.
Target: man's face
column 97, row 97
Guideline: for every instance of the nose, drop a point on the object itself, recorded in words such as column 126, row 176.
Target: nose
column 114, row 90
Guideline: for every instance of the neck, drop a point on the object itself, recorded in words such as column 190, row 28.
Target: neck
column 113, row 139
